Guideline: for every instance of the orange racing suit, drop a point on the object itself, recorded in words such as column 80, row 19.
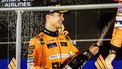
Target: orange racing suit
column 117, row 32
column 49, row 50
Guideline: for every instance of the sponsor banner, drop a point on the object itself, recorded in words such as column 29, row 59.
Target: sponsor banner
column 16, row 3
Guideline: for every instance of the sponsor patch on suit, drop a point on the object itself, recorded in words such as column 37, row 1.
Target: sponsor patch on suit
column 31, row 47
column 63, row 43
column 51, row 45
column 30, row 51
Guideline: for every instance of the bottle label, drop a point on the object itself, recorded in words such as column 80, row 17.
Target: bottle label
column 67, row 67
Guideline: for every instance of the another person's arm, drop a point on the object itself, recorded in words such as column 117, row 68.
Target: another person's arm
column 111, row 56
column 115, row 45
column 109, row 59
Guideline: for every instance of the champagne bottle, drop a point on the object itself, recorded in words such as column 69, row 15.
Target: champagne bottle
column 78, row 61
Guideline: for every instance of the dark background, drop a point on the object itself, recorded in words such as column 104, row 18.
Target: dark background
column 81, row 24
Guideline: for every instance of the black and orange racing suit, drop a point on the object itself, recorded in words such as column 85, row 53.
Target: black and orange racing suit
column 49, row 50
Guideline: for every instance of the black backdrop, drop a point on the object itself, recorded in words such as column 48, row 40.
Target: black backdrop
column 81, row 24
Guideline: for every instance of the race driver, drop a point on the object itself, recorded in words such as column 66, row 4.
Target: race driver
column 49, row 49
column 52, row 46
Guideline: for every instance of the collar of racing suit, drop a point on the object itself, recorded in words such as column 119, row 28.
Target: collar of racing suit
column 50, row 33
